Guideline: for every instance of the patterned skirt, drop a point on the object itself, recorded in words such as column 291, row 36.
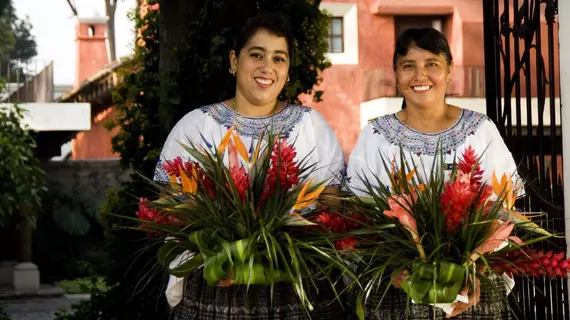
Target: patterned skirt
column 202, row 302
column 493, row 305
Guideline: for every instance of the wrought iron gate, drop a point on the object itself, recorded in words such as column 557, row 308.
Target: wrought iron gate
column 521, row 82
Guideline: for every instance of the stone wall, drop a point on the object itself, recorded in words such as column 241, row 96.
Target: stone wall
column 89, row 178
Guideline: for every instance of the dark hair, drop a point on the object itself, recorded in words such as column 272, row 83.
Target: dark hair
column 273, row 23
column 424, row 38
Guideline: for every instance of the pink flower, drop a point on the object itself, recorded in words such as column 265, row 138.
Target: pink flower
column 499, row 232
column 401, row 209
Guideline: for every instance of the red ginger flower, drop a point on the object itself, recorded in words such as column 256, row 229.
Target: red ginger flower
column 331, row 221
column 240, row 179
column 469, row 164
column 335, row 222
column 149, row 214
column 204, row 181
column 152, row 215
column 348, row 243
column 172, row 167
column 528, row 262
column 284, row 167
column 457, row 197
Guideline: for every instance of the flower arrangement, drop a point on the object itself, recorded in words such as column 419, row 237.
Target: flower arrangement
column 246, row 223
column 438, row 230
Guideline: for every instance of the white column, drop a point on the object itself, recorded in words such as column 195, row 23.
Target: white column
column 564, row 43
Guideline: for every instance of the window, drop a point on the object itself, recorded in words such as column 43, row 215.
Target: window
column 343, row 32
column 406, row 22
column 336, row 35
column 91, row 31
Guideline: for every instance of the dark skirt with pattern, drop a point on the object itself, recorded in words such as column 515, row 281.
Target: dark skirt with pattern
column 493, row 305
column 202, row 302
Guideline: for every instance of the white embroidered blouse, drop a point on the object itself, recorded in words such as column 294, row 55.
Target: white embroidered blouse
column 305, row 127
column 387, row 134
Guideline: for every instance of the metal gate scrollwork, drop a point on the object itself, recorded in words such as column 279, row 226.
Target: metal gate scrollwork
column 522, row 87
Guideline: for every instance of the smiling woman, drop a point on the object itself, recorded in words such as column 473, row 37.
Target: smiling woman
column 260, row 62
column 425, row 128
column 261, row 67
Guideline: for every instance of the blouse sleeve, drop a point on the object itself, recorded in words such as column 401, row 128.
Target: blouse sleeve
column 172, row 147
column 330, row 164
column 365, row 161
column 499, row 159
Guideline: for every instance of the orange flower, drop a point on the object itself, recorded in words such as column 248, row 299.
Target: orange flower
column 505, row 190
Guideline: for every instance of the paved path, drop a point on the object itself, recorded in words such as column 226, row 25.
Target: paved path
column 37, row 308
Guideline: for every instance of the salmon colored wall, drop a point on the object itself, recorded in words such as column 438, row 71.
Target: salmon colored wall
column 343, row 84
column 92, row 56
column 91, row 52
column 95, row 143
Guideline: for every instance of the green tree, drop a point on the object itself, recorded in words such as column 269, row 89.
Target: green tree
column 25, row 47
column 20, row 171
column 173, row 71
column 17, row 44
column 7, row 38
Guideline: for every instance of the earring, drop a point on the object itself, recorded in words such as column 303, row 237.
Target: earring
column 398, row 86
column 288, row 78
column 232, row 72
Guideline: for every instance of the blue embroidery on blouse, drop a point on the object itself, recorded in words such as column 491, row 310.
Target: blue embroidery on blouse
column 282, row 122
column 160, row 174
column 420, row 143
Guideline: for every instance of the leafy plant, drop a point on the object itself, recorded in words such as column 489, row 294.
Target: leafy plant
column 83, row 285
column 3, row 314
column 68, row 239
column 23, row 180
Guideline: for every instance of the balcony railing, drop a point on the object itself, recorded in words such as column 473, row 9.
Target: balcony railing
column 29, row 81
column 465, row 82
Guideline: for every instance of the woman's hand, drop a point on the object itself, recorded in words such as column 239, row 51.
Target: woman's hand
column 227, row 281
column 474, row 296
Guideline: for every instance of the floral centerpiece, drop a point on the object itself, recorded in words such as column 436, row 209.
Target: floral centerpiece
column 445, row 226
column 250, row 222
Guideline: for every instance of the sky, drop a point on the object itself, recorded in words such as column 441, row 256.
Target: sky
column 54, row 30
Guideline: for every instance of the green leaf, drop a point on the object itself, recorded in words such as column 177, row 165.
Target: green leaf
column 187, row 266
column 296, row 221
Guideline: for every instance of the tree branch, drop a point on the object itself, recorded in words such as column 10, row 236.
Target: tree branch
column 110, row 9
column 72, row 7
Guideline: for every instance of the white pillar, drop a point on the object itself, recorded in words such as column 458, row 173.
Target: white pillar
column 564, row 43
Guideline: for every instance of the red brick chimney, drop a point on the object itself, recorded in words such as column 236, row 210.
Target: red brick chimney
column 91, row 43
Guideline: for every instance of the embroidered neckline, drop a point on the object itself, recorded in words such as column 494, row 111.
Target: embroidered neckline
column 397, row 133
column 433, row 133
column 237, row 114
column 282, row 122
